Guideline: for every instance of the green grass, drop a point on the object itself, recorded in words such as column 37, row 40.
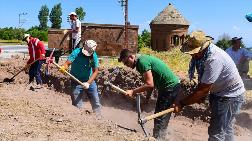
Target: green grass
column 110, row 62
column 176, row 60
column 10, row 42
column 250, row 70
column 14, row 42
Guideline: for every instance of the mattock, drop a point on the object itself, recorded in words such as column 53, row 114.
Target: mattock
column 49, row 62
column 142, row 121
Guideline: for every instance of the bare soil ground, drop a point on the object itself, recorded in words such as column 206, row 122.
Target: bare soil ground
column 47, row 113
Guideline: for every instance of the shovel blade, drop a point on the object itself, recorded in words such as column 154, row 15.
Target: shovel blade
column 8, row 80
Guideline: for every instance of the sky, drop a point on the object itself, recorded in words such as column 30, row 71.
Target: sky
column 214, row 17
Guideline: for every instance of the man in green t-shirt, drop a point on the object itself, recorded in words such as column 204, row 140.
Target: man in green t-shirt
column 156, row 74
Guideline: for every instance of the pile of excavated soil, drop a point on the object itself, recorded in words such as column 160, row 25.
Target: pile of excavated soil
column 47, row 113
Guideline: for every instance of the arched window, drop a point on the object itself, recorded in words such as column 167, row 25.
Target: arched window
column 182, row 39
column 175, row 40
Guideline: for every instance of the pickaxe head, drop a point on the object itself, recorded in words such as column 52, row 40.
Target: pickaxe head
column 49, row 60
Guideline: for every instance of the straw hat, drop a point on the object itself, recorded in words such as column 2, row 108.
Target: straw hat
column 196, row 43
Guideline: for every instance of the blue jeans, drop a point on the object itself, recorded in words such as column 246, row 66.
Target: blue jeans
column 223, row 112
column 92, row 93
column 164, row 101
column 34, row 71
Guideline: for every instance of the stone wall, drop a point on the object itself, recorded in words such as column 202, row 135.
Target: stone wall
column 110, row 38
column 59, row 38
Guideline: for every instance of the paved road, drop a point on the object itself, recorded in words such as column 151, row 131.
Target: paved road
column 10, row 50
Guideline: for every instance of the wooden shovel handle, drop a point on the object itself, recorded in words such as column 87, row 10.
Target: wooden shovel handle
column 158, row 114
column 75, row 79
column 24, row 68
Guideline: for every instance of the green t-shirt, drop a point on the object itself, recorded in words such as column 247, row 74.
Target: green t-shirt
column 162, row 75
column 82, row 66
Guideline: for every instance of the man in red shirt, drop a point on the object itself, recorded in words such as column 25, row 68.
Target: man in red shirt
column 36, row 50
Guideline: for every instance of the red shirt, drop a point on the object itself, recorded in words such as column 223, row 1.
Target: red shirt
column 36, row 48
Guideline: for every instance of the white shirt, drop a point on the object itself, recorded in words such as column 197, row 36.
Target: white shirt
column 237, row 55
column 75, row 24
column 220, row 71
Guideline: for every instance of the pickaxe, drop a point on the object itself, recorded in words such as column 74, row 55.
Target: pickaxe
column 142, row 121
column 49, row 62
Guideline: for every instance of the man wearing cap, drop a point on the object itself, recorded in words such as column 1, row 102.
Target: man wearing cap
column 240, row 56
column 75, row 30
column 84, row 66
column 36, row 50
column 156, row 74
column 219, row 79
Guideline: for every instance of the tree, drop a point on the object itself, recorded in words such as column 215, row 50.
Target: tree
column 10, row 33
column 144, row 40
column 55, row 16
column 224, row 42
column 43, row 17
column 36, row 32
column 81, row 13
column 146, row 37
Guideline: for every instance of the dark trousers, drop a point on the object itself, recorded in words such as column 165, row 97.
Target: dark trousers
column 223, row 112
column 164, row 101
column 72, row 47
column 34, row 71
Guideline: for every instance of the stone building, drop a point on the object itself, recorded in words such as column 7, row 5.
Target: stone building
column 110, row 37
column 168, row 29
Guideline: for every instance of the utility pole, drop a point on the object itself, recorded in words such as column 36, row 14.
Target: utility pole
column 19, row 19
column 124, row 4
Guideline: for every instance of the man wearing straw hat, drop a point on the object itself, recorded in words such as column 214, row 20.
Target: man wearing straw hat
column 219, row 78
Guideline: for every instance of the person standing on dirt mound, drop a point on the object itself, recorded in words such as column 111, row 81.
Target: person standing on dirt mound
column 156, row 74
column 240, row 56
column 36, row 50
column 84, row 66
column 75, row 30
column 219, row 79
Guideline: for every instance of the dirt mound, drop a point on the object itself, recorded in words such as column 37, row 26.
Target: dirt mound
column 47, row 113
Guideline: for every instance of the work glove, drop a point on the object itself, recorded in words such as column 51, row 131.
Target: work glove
column 86, row 85
column 62, row 69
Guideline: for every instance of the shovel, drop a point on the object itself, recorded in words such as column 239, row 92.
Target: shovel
column 8, row 80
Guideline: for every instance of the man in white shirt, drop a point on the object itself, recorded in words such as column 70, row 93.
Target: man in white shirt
column 240, row 56
column 75, row 30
